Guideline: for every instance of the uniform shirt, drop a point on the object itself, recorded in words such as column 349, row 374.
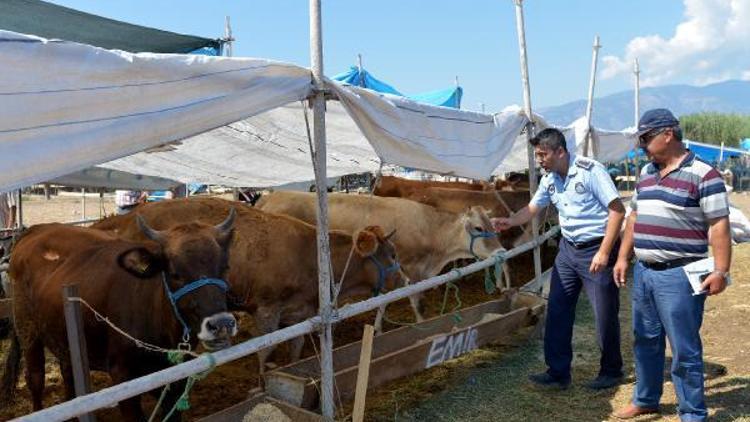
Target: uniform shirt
column 582, row 198
column 673, row 211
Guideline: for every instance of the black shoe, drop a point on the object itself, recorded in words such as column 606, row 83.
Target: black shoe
column 546, row 380
column 604, row 381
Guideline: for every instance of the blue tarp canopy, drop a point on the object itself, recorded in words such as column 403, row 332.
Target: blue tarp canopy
column 449, row 97
column 708, row 152
column 711, row 152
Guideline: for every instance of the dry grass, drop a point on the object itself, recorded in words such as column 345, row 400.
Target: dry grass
column 490, row 384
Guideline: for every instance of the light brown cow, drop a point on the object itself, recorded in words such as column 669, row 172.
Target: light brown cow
column 396, row 187
column 497, row 203
column 427, row 238
column 163, row 292
column 273, row 268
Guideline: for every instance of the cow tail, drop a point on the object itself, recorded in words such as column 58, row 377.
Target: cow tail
column 12, row 369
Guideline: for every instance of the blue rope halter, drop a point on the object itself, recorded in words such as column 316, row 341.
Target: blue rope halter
column 188, row 288
column 383, row 273
column 477, row 235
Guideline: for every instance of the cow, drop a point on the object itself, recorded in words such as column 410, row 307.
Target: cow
column 497, row 203
column 427, row 238
column 273, row 266
column 396, row 187
column 167, row 292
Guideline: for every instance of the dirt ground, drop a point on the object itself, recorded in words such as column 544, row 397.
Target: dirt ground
column 491, row 384
column 229, row 384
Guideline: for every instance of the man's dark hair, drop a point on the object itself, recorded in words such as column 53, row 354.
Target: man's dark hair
column 549, row 138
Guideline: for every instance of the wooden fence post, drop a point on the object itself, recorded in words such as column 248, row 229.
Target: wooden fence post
column 363, row 374
column 79, row 357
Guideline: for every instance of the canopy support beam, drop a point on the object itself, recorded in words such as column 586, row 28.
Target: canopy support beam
column 324, row 252
column 529, row 129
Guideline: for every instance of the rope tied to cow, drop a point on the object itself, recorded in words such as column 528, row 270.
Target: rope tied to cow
column 174, row 356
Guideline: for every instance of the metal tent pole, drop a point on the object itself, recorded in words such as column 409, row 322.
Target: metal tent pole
column 637, row 91
column 529, row 128
column 324, row 253
column 83, row 203
column 19, row 209
column 360, row 75
column 637, row 118
column 228, row 39
column 590, row 142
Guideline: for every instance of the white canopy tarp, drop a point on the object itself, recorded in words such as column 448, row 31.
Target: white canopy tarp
column 612, row 145
column 65, row 107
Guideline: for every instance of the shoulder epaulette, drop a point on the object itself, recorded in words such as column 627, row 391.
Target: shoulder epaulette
column 585, row 163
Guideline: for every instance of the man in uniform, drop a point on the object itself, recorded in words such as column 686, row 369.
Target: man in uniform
column 680, row 199
column 591, row 215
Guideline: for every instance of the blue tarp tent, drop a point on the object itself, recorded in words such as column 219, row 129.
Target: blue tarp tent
column 711, row 153
column 708, row 152
column 449, row 97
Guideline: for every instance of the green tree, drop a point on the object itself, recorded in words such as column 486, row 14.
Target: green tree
column 715, row 128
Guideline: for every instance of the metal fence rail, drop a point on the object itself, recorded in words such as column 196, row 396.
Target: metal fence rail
column 112, row 395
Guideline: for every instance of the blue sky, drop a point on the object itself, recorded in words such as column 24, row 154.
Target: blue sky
column 419, row 45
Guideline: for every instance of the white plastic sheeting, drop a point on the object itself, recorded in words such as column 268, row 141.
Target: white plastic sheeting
column 269, row 149
column 437, row 139
column 612, row 145
column 65, row 107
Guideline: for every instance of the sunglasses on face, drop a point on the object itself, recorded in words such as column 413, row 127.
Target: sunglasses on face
column 647, row 137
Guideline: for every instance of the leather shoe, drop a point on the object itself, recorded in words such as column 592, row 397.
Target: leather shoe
column 631, row 411
column 546, row 380
column 604, row 381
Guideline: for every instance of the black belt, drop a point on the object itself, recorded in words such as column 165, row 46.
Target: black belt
column 586, row 244
column 666, row 265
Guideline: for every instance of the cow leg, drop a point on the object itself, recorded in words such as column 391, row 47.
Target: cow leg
column 35, row 372
column 266, row 321
column 66, row 370
column 130, row 408
column 506, row 274
column 416, row 306
column 296, row 347
column 170, row 400
column 379, row 319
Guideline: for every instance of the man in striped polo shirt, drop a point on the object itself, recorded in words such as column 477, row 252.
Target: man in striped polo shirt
column 680, row 207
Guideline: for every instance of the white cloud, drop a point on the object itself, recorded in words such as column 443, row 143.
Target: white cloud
column 710, row 45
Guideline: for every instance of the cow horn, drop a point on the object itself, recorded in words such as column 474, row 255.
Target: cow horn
column 152, row 234
column 227, row 224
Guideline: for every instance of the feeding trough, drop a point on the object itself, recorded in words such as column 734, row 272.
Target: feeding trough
column 408, row 350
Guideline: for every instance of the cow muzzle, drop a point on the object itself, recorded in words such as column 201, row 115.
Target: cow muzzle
column 217, row 331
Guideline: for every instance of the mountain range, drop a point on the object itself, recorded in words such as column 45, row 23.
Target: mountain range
column 616, row 111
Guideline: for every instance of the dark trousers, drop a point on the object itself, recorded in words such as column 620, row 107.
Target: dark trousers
column 570, row 273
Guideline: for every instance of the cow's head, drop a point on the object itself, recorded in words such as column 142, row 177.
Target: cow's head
column 373, row 245
column 195, row 259
column 481, row 239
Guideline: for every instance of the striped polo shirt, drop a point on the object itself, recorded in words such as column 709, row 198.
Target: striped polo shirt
column 673, row 212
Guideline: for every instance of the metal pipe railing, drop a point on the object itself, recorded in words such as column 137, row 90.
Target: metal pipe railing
column 112, row 395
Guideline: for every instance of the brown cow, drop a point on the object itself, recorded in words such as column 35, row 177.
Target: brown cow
column 396, row 187
column 164, row 292
column 427, row 238
column 273, row 267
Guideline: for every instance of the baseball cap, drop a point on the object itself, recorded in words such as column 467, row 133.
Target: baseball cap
column 656, row 118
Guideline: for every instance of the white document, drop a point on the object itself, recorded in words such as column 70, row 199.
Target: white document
column 697, row 271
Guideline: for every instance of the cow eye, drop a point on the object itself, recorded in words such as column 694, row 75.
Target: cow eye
column 478, row 229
